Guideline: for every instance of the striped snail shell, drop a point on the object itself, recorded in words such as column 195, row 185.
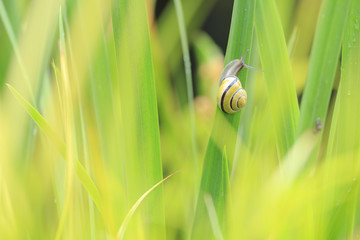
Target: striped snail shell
column 232, row 96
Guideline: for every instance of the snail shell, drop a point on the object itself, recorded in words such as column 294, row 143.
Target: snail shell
column 231, row 96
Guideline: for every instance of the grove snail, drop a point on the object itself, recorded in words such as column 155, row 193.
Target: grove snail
column 231, row 95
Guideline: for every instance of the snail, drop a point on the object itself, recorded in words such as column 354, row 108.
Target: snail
column 231, row 95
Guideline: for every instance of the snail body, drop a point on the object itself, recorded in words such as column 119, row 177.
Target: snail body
column 232, row 96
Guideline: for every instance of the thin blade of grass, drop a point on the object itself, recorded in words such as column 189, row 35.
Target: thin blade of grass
column 195, row 13
column 67, row 212
column 84, row 147
column 121, row 231
column 323, row 61
column 224, row 132
column 215, row 225
column 278, row 75
column 135, row 92
column 189, row 82
column 59, row 145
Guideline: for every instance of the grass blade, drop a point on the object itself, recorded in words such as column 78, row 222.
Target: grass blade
column 224, row 132
column 135, row 91
column 59, row 145
column 121, row 231
column 278, row 76
column 323, row 61
column 344, row 131
column 215, row 225
column 195, row 12
column 189, row 82
column 85, row 150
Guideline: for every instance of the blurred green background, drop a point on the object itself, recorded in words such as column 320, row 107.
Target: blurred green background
column 101, row 100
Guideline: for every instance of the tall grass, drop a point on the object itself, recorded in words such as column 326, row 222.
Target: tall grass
column 97, row 106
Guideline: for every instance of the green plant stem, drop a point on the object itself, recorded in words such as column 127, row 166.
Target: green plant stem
column 189, row 82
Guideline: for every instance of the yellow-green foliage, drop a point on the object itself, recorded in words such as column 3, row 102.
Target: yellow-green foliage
column 98, row 109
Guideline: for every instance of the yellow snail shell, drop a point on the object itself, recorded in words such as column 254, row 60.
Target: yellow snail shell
column 231, row 95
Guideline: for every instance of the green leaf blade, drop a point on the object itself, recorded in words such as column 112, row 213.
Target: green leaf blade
column 224, row 132
column 343, row 134
column 344, row 131
column 278, row 75
column 83, row 176
column 139, row 123
column 323, row 61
